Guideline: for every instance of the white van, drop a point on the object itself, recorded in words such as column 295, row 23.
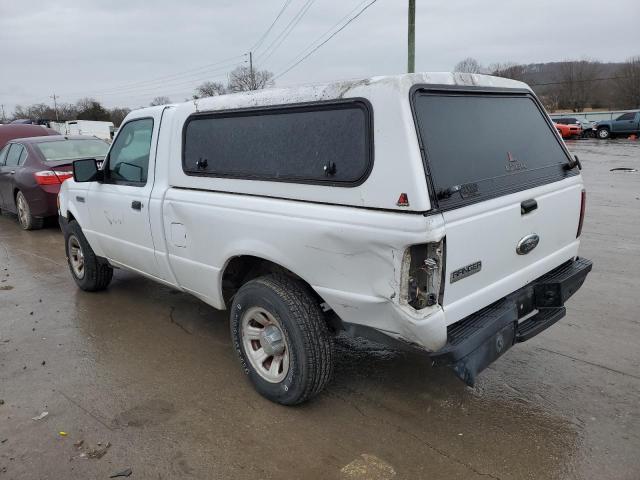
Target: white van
column 438, row 212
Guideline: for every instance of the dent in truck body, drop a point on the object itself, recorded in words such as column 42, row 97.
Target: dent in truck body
column 332, row 251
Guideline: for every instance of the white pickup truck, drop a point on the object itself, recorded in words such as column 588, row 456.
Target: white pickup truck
column 438, row 212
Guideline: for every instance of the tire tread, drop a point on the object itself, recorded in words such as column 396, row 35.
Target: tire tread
column 318, row 342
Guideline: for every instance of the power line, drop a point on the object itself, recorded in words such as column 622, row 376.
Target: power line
column 265, row 34
column 286, row 32
column 330, row 29
column 325, row 41
column 194, row 77
column 185, row 73
column 576, row 81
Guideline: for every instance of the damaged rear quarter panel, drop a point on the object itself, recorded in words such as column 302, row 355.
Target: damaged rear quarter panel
column 349, row 256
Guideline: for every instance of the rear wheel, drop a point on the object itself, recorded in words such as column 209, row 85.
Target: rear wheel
column 282, row 339
column 27, row 221
column 90, row 272
column 603, row 133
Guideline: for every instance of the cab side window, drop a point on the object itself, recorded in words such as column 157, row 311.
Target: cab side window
column 129, row 155
column 13, row 157
column 627, row 116
column 3, row 155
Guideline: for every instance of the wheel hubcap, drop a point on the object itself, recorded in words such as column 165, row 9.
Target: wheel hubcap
column 265, row 344
column 76, row 257
column 22, row 210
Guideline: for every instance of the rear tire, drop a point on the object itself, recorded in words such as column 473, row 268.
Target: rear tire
column 90, row 272
column 604, row 133
column 26, row 220
column 303, row 347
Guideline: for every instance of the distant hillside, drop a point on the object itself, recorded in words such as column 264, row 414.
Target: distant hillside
column 551, row 72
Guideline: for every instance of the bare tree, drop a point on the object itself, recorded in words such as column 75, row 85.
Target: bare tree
column 468, row 65
column 577, row 83
column 242, row 79
column 511, row 70
column 209, row 89
column 627, row 83
column 160, row 101
column 118, row 114
column 91, row 109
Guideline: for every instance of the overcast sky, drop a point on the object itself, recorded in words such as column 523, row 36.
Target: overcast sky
column 125, row 52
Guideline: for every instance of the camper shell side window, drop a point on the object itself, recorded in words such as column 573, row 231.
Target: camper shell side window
column 328, row 143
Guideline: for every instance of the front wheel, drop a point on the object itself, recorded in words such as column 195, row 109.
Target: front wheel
column 26, row 220
column 282, row 339
column 604, row 133
column 89, row 272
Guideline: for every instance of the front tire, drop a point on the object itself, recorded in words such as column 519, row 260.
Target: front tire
column 604, row 133
column 26, row 220
column 89, row 272
column 282, row 339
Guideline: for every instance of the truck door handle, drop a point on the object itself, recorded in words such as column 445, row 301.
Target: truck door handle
column 136, row 205
column 528, row 206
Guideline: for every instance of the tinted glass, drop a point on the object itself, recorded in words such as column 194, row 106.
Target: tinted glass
column 72, row 149
column 304, row 144
column 129, row 156
column 627, row 116
column 13, row 157
column 481, row 146
column 23, row 156
column 3, row 154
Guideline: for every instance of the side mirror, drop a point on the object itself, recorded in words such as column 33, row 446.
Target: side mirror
column 86, row 170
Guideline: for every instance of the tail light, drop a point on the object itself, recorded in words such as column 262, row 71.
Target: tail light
column 421, row 278
column 583, row 202
column 51, row 177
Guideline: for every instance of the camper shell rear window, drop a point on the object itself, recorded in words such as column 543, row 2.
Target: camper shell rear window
column 326, row 143
column 481, row 144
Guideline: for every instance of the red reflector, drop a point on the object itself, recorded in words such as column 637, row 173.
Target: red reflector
column 403, row 200
column 583, row 204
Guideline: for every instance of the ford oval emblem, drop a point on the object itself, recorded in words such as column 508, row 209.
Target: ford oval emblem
column 526, row 244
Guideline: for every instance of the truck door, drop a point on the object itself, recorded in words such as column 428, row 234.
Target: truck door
column 624, row 123
column 119, row 206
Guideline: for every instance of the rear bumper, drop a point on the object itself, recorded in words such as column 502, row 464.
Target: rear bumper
column 479, row 339
column 43, row 200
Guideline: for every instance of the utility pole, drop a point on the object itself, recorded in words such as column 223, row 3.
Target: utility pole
column 253, row 79
column 411, row 64
column 55, row 105
column 3, row 117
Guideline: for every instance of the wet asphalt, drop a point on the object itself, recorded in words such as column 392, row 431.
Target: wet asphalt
column 144, row 378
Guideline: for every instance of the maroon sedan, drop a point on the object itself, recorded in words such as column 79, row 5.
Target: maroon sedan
column 32, row 170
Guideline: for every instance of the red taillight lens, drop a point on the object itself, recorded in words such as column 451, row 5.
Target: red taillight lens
column 63, row 175
column 583, row 202
column 51, row 177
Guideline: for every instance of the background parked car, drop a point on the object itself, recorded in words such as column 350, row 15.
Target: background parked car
column 586, row 125
column 568, row 131
column 9, row 132
column 32, row 170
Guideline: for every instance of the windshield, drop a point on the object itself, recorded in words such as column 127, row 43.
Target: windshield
column 480, row 145
column 72, row 149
